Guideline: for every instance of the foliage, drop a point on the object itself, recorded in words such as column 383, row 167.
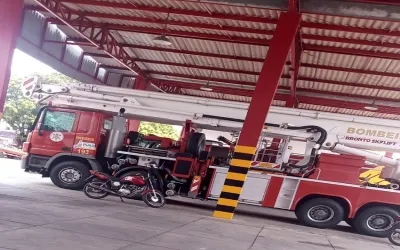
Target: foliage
column 163, row 130
column 20, row 112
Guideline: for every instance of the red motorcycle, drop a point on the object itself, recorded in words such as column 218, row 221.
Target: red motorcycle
column 99, row 185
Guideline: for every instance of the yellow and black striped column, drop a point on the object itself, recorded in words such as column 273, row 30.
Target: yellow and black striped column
column 234, row 182
column 266, row 86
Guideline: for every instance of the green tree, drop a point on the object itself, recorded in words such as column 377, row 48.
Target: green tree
column 20, row 112
column 163, row 130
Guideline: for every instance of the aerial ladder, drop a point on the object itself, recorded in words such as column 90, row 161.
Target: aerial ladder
column 337, row 133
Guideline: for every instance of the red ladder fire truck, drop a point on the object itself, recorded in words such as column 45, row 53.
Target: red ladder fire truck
column 79, row 129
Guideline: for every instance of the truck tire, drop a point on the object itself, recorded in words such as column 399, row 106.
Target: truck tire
column 320, row 213
column 196, row 144
column 376, row 221
column 69, row 174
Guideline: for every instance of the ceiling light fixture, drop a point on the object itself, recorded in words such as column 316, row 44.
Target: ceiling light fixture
column 207, row 87
column 371, row 107
column 163, row 39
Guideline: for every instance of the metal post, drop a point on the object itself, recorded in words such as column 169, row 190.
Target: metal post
column 10, row 26
column 267, row 84
column 141, row 84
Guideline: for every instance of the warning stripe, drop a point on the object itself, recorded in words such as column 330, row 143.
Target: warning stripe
column 242, row 156
column 236, row 176
column 234, row 181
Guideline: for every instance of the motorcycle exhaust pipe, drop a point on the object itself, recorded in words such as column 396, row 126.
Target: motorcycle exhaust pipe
column 102, row 189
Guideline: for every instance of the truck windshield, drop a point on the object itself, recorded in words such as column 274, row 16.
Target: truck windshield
column 58, row 121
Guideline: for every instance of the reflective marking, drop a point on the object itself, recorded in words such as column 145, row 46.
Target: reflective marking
column 245, row 149
column 235, row 176
column 227, row 202
column 223, row 215
column 240, row 163
column 230, row 189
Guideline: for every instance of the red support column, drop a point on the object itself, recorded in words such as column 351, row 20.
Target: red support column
column 266, row 86
column 140, row 84
column 10, row 25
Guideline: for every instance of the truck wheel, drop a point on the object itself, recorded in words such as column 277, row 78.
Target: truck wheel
column 196, row 144
column 320, row 213
column 376, row 221
column 69, row 174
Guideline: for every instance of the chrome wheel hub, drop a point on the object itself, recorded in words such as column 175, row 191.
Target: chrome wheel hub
column 320, row 213
column 154, row 198
column 70, row 175
column 380, row 222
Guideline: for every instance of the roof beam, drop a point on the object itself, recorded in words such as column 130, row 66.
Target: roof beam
column 240, row 58
column 211, row 79
column 213, row 68
column 351, row 29
column 351, row 52
column 300, row 78
column 351, row 41
column 187, row 52
column 350, row 70
column 249, row 92
column 163, row 22
column 350, row 84
column 198, row 13
column 307, row 91
column 169, row 32
column 194, row 86
column 232, row 28
column 306, row 98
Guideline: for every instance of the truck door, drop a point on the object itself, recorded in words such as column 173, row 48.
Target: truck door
column 88, row 133
column 55, row 133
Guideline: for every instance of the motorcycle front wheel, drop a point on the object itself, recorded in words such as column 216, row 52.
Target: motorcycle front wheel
column 394, row 237
column 94, row 193
column 154, row 199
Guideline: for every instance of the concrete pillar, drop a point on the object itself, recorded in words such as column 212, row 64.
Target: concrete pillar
column 10, row 25
column 263, row 96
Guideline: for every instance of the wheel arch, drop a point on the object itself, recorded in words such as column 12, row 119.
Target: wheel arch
column 53, row 161
column 375, row 204
column 344, row 202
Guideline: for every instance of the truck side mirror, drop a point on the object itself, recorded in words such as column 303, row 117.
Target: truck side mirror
column 41, row 121
column 40, row 127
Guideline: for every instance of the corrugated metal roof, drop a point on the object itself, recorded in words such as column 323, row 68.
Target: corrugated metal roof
column 334, row 82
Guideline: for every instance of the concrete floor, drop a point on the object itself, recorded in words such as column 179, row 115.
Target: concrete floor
column 34, row 214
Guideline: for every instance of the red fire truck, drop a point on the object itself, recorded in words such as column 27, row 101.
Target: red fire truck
column 83, row 127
